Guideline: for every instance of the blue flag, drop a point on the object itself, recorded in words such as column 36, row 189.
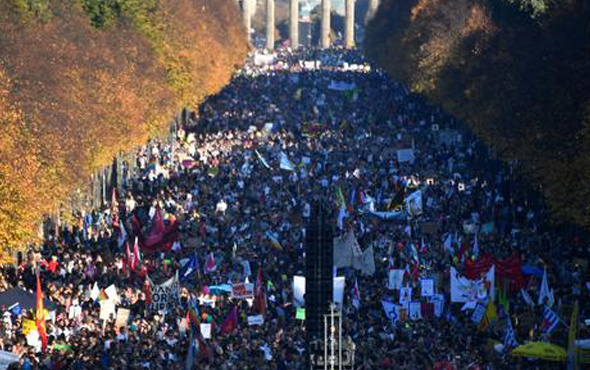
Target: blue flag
column 188, row 268
column 16, row 309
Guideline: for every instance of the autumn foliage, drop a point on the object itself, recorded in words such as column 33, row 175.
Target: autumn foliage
column 81, row 80
column 517, row 72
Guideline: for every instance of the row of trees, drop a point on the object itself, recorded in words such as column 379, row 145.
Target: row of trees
column 517, row 71
column 81, row 80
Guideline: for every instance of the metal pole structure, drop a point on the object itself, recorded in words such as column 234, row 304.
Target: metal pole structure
column 349, row 26
column 325, row 342
column 270, row 24
column 332, row 338
column 294, row 23
column 325, row 34
column 246, row 14
column 340, row 339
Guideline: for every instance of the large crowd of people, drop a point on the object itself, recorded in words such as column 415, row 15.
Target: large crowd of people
column 238, row 182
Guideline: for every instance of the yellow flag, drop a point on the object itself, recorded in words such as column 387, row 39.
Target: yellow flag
column 490, row 316
column 28, row 326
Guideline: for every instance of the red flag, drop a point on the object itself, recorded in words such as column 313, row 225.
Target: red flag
column 40, row 315
column 161, row 236
column 231, row 321
column 136, row 225
column 147, row 289
column 129, row 257
column 157, row 233
column 136, row 258
column 260, row 294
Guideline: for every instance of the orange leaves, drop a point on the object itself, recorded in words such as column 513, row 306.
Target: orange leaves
column 72, row 96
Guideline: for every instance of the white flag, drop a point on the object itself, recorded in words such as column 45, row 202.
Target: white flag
column 285, row 163
column 391, row 311
column 396, row 278
column 122, row 235
column 356, row 295
column 545, row 292
column 527, row 298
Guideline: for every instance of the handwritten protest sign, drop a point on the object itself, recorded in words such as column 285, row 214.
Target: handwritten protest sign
column 165, row 296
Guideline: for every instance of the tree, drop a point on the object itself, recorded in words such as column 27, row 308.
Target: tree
column 82, row 80
column 519, row 77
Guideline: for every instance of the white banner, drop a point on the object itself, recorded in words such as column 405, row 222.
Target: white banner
column 343, row 250
column 405, row 296
column 166, row 296
column 461, row 288
column 338, row 291
column 366, row 262
column 298, row 290
column 465, row 290
column 415, row 311
column 242, row 291
column 255, row 320
column 427, row 287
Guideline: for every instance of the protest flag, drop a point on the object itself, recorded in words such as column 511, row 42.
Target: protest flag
column 260, row 294
column 40, row 315
column 503, row 297
column 231, row 322
column 356, row 296
column 490, row 316
column 122, row 234
column 509, row 337
column 188, row 268
column 147, row 290
column 136, row 256
column 129, row 257
column 352, row 202
column 340, row 198
column 192, row 353
column 210, row 264
column 545, row 292
column 274, row 241
column 550, row 320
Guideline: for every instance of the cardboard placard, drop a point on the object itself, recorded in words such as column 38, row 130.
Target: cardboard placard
column 242, row 291
column 122, row 317
column 415, row 310
column 255, row 320
column 206, row 330
column 107, row 309
column 300, row 313
column 427, row 287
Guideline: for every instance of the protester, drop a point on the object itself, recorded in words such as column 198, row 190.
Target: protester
column 228, row 200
